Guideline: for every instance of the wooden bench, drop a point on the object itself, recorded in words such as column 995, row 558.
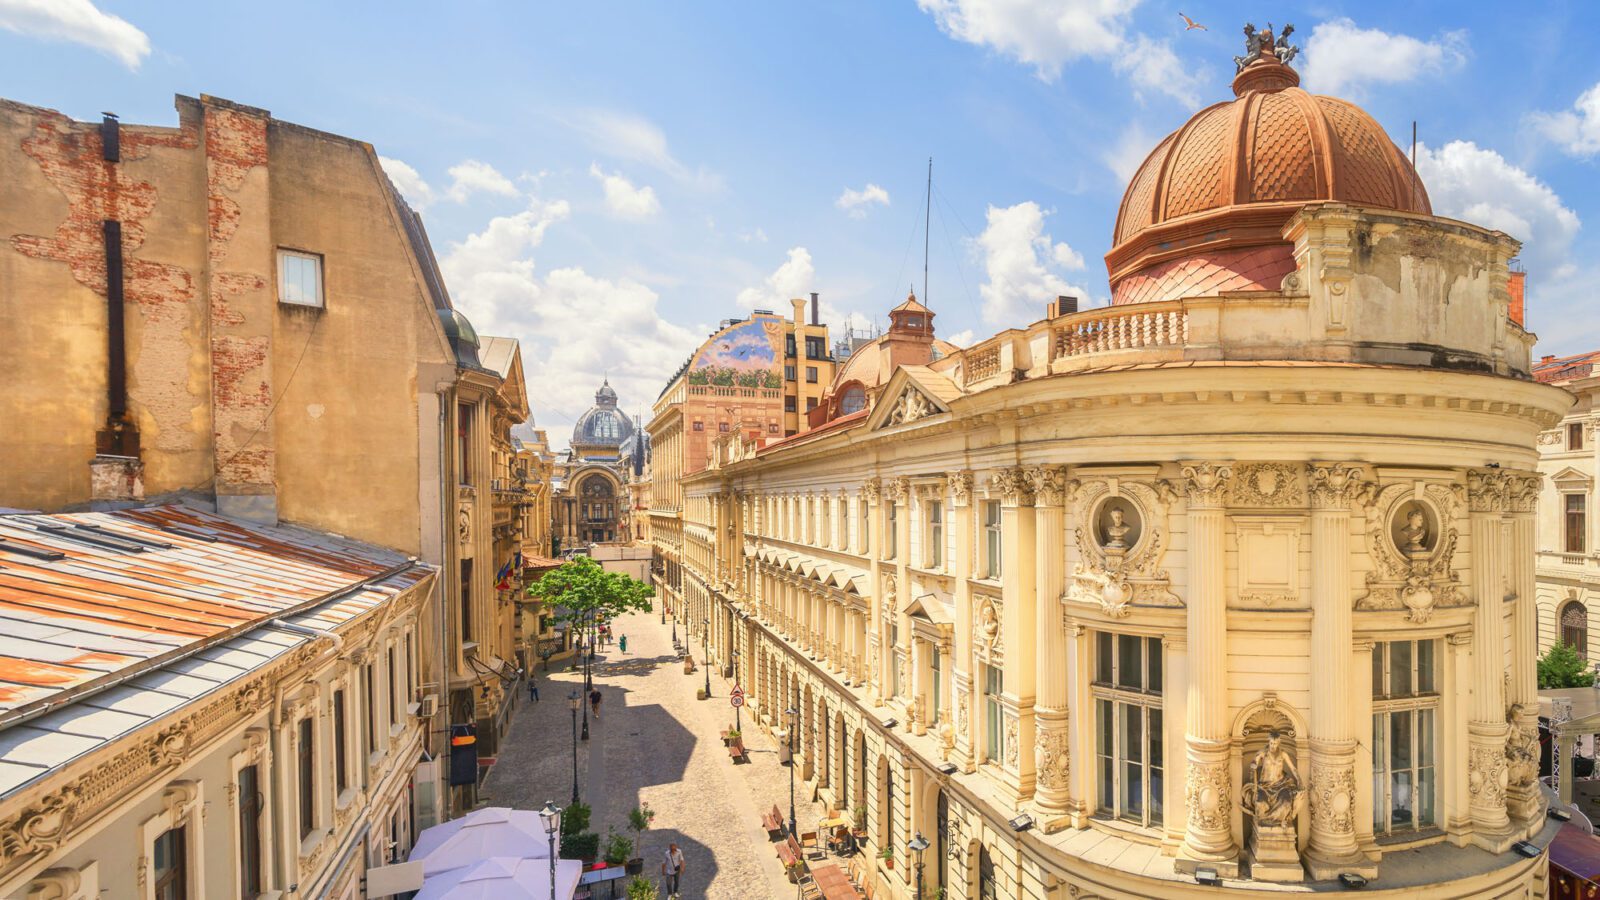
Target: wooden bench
column 772, row 821
column 787, row 855
column 736, row 753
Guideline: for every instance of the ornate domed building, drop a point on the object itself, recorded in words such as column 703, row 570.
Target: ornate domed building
column 608, row 449
column 1225, row 588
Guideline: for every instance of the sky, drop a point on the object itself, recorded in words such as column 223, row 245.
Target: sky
column 606, row 182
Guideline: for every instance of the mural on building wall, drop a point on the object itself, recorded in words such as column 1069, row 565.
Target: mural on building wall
column 743, row 355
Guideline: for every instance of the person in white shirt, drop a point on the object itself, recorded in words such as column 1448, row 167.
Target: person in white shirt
column 672, row 868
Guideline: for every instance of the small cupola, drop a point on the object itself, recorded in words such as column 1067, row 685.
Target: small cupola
column 911, row 318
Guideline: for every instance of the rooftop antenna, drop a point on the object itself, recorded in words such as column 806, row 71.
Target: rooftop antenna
column 927, row 221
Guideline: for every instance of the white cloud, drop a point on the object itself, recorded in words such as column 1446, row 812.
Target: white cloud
column 857, row 202
column 1128, row 151
column 1023, row 266
column 1576, row 130
column 623, row 198
column 791, row 280
column 637, row 139
column 1340, row 56
column 495, row 282
column 77, row 22
column 1049, row 35
column 470, row 177
column 962, row 338
column 411, row 185
column 1478, row 185
column 757, row 236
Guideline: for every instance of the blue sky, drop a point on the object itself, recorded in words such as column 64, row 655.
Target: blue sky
column 607, row 181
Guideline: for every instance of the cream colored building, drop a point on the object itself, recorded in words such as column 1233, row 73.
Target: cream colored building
column 1050, row 599
column 205, row 707
column 1569, row 567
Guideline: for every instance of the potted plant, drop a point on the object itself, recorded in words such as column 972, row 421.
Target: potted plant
column 640, row 888
column 861, row 817
column 618, row 848
column 639, row 819
column 888, row 858
column 735, row 738
column 575, row 819
column 585, row 846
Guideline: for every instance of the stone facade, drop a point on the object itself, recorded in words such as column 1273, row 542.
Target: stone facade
column 1569, row 567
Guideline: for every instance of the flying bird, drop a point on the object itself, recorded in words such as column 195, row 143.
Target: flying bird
column 1192, row 24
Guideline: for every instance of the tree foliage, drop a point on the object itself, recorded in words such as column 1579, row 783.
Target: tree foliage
column 590, row 593
column 1562, row 667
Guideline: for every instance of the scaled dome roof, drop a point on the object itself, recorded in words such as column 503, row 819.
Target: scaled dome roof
column 1235, row 173
column 603, row 424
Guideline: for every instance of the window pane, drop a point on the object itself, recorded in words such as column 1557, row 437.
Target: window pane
column 1132, row 732
column 1107, row 726
column 1399, row 741
column 1130, row 668
column 1380, row 806
column 1103, row 657
column 1425, row 797
column 1153, row 653
column 1424, row 737
column 1425, row 667
column 1377, row 670
column 1400, row 668
column 1157, row 758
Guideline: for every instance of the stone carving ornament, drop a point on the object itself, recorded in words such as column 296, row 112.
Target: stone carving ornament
column 1013, row 485
column 911, row 406
column 1522, row 749
column 987, row 618
column 1119, row 548
column 1011, row 743
column 1051, row 758
column 1206, row 795
column 1207, row 483
column 960, row 484
column 1487, row 774
column 1268, row 484
column 1272, row 791
column 1333, row 791
column 1412, row 552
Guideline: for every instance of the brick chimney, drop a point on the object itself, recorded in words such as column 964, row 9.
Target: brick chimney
column 1516, row 286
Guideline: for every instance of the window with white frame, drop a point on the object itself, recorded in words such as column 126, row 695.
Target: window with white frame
column 991, row 539
column 341, row 762
column 1405, row 712
column 170, row 861
column 891, row 540
column 1576, row 522
column 994, row 684
column 936, row 689
column 299, row 278
column 825, row 510
column 864, row 512
column 1130, row 752
column 933, row 557
column 894, row 654
column 306, row 772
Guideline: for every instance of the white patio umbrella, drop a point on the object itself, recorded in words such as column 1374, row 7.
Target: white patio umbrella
column 494, row 831
column 504, row 878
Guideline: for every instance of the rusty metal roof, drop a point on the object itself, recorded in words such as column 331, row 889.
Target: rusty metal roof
column 111, row 619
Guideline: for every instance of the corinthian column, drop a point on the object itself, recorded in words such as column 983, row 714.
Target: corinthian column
column 1487, row 496
column 960, row 485
column 870, row 490
column 1333, row 848
column 1524, row 800
column 1017, row 624
column 1208, row 835
column 1052, row 759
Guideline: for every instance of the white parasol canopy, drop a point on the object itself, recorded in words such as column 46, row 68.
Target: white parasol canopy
column 504, row 878
column 494, row 831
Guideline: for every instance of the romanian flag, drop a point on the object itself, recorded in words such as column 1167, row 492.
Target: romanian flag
column 503, row 577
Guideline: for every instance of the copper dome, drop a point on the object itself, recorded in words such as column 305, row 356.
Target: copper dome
column 1220, row 188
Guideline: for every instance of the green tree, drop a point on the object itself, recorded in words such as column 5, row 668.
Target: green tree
column 1562, row 667
column 589, row 593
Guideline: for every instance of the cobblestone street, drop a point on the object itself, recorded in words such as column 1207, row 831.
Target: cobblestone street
column 655, row 743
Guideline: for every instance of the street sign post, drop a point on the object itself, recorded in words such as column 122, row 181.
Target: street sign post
column 736, row 700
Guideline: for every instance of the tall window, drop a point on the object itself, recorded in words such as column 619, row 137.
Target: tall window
column 811, row 374
column 1574, row 435
column 394, row 708
column 825, row 528
column 936, row 663
column 1576, row 523
column 171, row 863
column 888, row 808
column 464, row 443
column 466, row 600
column 1129, row 750
column 991, row 539
column 371, row 709
column 864, row 512
column 894, row 654
column 891, row 540
column 1405, row 703
column 249, row 831
column 341, row 765
column 1575, row 627
column 987, row 889
column 994, row 684
column 308, row 776
column 935, row 554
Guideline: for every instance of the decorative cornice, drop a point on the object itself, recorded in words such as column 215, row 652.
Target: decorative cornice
column 1013, row 485
column 1488, row 490
column 1207, row 483
column 1337, row 485
column 960, row 486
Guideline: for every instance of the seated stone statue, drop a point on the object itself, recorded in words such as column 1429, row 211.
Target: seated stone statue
column 1272, row 790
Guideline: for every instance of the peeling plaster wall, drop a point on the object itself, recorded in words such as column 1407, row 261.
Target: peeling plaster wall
column 205, row 207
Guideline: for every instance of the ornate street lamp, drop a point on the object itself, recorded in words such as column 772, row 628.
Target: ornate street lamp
column 705, row 638
column 793, row 715
column 917, row 845
column 551, row 816
column 574, row 701
column 735, row 655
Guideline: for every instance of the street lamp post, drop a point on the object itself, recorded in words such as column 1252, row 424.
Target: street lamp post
column 793, row 715
column 705, row 638
column 735, row 655
column 574, row 701
column 551, row 816
column 917, row 845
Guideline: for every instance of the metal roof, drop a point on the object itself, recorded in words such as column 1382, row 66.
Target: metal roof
column 109, row 620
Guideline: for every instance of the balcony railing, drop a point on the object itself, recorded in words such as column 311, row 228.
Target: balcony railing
column 1132, row 327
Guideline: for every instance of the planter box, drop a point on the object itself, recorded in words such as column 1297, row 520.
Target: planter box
column 635, row 866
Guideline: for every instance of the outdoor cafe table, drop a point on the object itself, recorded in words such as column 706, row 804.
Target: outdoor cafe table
column 610, row 875
column 833, row 883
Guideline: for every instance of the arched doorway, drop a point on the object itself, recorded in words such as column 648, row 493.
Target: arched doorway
column 1574, row 622
column 597, row 509
column 844, row 764
column 941, row 844
column 987, row 889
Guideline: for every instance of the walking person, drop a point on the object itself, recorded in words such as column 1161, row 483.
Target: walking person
column 533, row 689
column 622, row 643
column 594, row 702
column 672, row 869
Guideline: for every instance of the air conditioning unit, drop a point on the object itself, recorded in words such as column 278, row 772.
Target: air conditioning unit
column 429, row 707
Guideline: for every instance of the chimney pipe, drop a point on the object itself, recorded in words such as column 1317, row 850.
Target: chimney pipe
column 814, row 319
column 110, row 138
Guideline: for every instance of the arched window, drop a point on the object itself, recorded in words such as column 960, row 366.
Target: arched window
column 854, row 399
column 987, row 889
column 1575, row 627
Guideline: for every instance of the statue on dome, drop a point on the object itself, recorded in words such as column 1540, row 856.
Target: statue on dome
column 1263, row 43
column 1253, row 41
